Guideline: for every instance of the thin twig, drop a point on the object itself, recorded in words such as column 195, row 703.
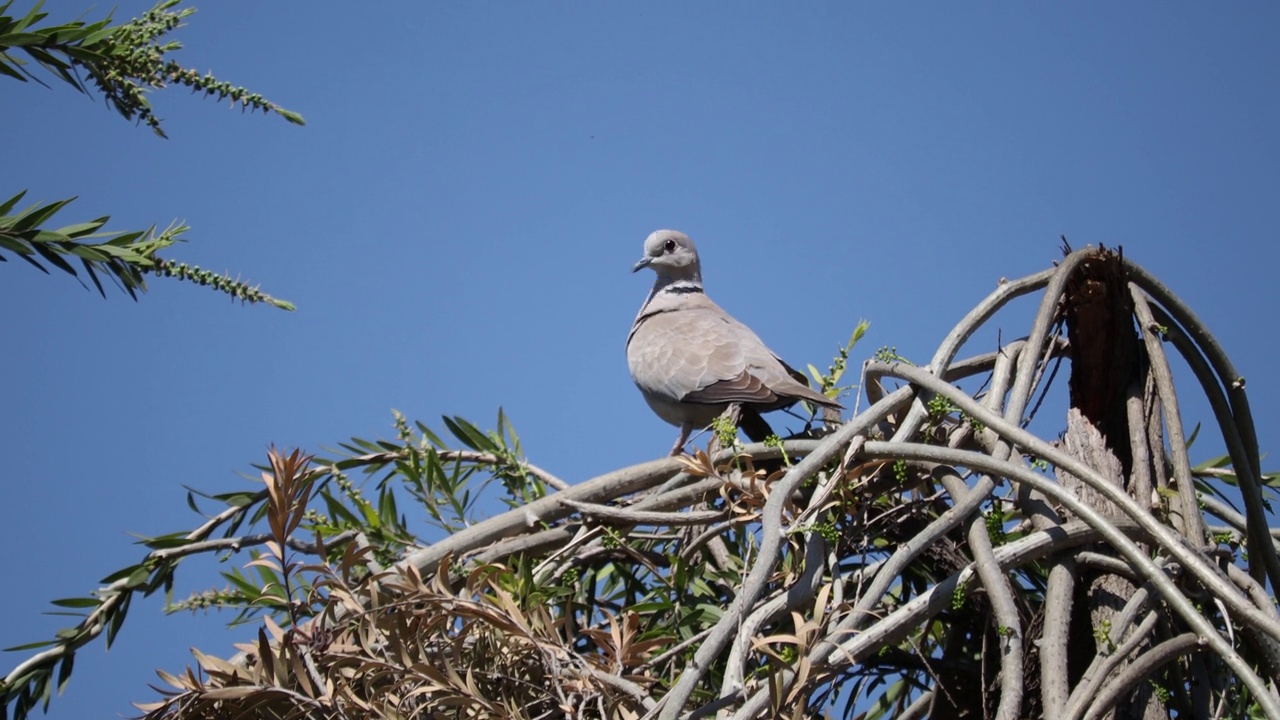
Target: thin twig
column 1123, row 682
column 627, row 516
column 1169, row 541
column 772, row 538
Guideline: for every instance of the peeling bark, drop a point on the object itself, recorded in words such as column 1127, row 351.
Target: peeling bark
column 1108, row 379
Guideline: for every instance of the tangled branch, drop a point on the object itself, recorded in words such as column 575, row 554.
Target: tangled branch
column 931, row 555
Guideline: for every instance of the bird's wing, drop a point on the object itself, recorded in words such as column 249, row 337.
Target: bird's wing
column 698, row 353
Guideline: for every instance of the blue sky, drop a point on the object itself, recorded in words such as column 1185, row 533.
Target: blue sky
column 458, row 219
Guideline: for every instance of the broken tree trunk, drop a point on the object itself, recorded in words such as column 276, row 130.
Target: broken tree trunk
column 1113, row 425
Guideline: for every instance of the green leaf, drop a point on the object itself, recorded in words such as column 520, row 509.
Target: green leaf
column 31, row 646
column 817, row 376
column 93, row 275
column 166, row 541
column 469, row 435
column 340, row 514
column 138, row 578
column 191, row 502
column 291, row 116
column 117, row 620
column 459, row 433
column 1194, row 433
column 248, row 589
column 16, row 246
column 64, row 670
column 1220, row 461
column 19, row 39
column 370, row 514
column 238, row 499
column 387, row 509
column 430, row 436
column 104, row 30
column 46, row 236
column 5, row 69
column 120, row 574
column 33, row 16
column 34, row 217
column 88, row 252
column 55, row 259
column 124, row 239
column 84, row 228
column 84, row 602
column 126, row 254
column 80, row 54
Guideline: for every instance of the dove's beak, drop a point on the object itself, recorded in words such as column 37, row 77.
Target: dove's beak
column 644, row 263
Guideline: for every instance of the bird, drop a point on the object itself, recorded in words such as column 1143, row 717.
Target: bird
column 691, row 360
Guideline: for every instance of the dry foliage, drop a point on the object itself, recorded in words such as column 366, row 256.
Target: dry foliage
column 930, row 557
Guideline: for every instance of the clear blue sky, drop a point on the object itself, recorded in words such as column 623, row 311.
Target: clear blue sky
column 458, row 220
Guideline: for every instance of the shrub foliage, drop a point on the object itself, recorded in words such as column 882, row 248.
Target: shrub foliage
column 930, row 556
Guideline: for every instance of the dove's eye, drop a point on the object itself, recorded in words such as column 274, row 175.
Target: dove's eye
column 669, row 245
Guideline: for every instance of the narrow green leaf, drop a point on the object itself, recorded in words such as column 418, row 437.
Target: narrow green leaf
column 15, row 245
column 64, row 670
column 37, row 265
column 6, row 69
column 128, row 238
column 238, row 499
column 81, row 602
column 166, row 541
column 117, row 620
column 45, row 691
column 338, row 512
column 817, row 376
column 51, row 62
column 36, row 216
column 33, row 16
column 1220, row 461
column 93, row 275
column 121, row 253
column 31, row 646
column 83, row 228
column 104, row 30
column 119, row 574
column 20, row 39
column 80, row 54
column 5, row 22
column 459, row 433
column 478, row 440
column 370, row 513
column 8, row 204
column 249, row 590
column 268, row 577
column 65, row 34
column 55, row 259
column 430, row 436
column 1195, row 432
column 138, row 577
column 291, row 116
column 46, row 236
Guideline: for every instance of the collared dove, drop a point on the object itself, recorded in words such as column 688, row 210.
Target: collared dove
column 692, row 360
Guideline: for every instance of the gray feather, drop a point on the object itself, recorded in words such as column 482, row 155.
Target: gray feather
column 691, row 359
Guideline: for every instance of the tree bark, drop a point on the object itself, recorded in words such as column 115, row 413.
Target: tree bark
column 1108, row 383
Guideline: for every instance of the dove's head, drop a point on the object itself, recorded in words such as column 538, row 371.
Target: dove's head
column 671, row 254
